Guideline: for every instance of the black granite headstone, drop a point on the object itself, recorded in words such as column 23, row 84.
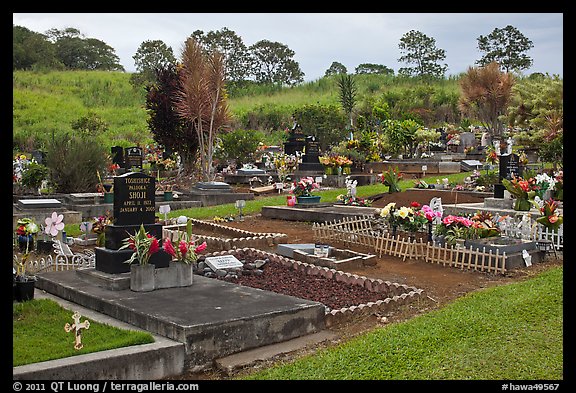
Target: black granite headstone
column 133, row 157
column 134, row 205
column 134, row 199
column 117, row 155
column 296, row 140
column 312, row 151
column 508, row 167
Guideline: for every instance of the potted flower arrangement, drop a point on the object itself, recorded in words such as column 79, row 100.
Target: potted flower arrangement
column 303, row 189
column 184, row 253
column 23, row 284
column 388, row 213
column 99, row 228
column 455, row 229
column 523, row 190
column 328, row 164
column 391, row 178
column 550, row 217
column 26, row 230
column 411, row 219
column 143, row 246
column 107, row 190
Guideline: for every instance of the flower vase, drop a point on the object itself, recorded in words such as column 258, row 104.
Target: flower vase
column 347, row 170
column 339, row 170
column 168, row 196
column 522, row 204
column 142, row 277
column 328, row 170
column 308, row 199
column 24, row 290
column 108, row 197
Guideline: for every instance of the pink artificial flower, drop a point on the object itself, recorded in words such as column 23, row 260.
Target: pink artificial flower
column 553, row 219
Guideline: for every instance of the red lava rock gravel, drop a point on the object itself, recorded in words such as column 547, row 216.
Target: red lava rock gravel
column 281, row 279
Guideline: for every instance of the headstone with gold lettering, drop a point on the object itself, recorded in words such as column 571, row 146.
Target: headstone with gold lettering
column 134, row 205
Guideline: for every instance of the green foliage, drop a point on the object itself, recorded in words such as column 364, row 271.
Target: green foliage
column 336, row 68
column 38, row 334
column 370, row 68
column 73, row 161
column 534, row 99
column 419, row 49
column 507, row 47
column 273, row 63
column 326, row 122
column 239, row 146
column 34, row 175
column 347, row 94
column 90, row 125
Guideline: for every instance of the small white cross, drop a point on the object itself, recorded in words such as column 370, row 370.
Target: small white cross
column 77, row 326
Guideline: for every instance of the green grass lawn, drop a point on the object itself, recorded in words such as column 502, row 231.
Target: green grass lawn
column 509, row 332
column 38, row 333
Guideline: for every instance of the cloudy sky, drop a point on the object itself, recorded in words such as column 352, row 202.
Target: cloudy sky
column 318, row 39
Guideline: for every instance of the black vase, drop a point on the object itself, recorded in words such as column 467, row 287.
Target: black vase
column 24, row 290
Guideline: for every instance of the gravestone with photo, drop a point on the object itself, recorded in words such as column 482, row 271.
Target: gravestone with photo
column 133, row 157
column 134, row 204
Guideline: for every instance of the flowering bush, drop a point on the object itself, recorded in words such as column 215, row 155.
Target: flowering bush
column 391, row 178
column 429, row 213
column 143, row 244
column 550, row 217
column 304, row 187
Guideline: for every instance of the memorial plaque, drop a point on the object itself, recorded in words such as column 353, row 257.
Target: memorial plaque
column 133, row 157
column 223, row 262
column 134, row 199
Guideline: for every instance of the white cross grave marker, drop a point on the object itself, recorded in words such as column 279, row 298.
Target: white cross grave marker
column 77, row 327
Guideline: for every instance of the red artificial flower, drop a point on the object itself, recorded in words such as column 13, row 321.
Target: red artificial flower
column 553, row 219
column 415, row 204
column 183, row 247
column 201, row 247
column 154, row 246
column 169, row 248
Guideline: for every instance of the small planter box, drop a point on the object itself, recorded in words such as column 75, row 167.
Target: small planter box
column 146, row 278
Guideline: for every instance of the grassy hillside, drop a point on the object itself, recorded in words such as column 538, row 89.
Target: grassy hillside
column 48, row 102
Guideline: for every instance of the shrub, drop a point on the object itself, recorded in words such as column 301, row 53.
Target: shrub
column 73, row 162
column 239, row 146
column 34, row 175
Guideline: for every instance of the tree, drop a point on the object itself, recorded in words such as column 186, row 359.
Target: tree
column 231, row 46
column 369, row 68
column 150, row 56
column 167, row 127
column 419, row 49
column 485, row 94
column 272, row 63
column 335, row 69
column 506, row 47
column 347, row 95
column 201, row 99
column 32, row 50
column 79, row 53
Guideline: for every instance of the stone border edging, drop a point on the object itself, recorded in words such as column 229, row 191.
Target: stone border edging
column 396, row 294
column 242, row 237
